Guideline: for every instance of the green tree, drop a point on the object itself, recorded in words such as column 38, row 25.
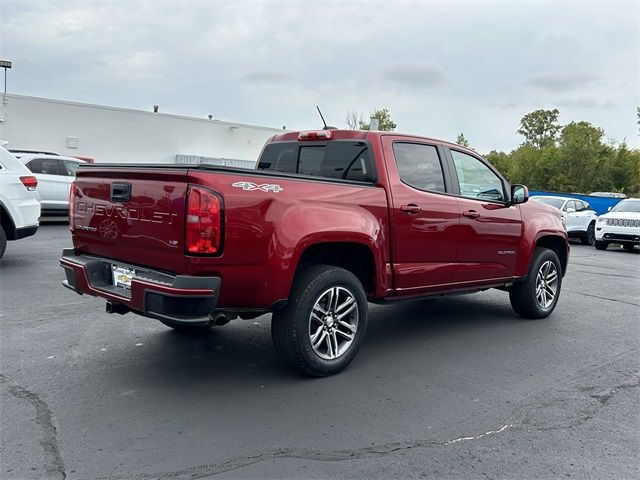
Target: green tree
column 540, row 128
column 502, row 161
column 461, row 140
column 385, row 123
column 581, row 157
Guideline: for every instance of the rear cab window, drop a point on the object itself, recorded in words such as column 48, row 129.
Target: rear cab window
column 336, row 159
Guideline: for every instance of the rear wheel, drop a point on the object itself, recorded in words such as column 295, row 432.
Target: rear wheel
column 537, row 296
column 321, row 329
column 588, row 237
column 601, row 245
column 3, row 241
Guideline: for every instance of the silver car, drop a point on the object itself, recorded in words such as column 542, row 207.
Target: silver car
column 55, row 174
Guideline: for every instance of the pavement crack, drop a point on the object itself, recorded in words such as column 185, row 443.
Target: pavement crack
column 604, row 396
column 213, row 469
column 539, row 417
column 485, row 434
column 53, row 463
column 603, row 298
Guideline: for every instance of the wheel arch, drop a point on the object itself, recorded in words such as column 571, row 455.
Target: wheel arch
column 355, row 257
column 7, row 223
column 558, row 245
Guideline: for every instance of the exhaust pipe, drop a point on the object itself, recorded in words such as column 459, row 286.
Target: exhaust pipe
column 220, row 319
column 114, row 307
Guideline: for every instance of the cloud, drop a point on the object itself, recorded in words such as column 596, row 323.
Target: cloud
column 266, row 77
column 585, row 103
column 562, row 81
column 414, row 75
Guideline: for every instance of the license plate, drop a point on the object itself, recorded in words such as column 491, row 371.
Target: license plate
column 122, row 276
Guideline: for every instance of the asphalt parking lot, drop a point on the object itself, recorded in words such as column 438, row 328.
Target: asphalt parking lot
column 442, row 388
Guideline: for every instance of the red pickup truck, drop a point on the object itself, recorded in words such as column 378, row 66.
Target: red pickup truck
column 327, row 221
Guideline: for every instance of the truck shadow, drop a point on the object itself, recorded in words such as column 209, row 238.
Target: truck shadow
column 244, row 348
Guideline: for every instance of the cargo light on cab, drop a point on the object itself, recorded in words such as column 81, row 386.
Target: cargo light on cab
column 203, row 222
column 315, row 135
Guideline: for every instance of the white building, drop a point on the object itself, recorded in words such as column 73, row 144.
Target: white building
column 110, row 134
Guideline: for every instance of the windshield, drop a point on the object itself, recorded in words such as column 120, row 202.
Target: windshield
column 627, row 206
column 554, row 202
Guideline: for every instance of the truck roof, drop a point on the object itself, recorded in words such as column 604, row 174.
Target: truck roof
column 339, row 134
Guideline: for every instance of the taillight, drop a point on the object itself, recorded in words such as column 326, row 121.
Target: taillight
column 29, row 182
column 316, row 135
column 72, row 201
column 204, row 221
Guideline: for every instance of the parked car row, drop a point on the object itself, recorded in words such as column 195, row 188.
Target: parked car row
column 55, row 174
column 620, row 225
column 19, row 205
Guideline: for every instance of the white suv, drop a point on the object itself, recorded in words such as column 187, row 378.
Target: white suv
column 620, row 225
column 19, row 207
column 580, row 220
column 55, row 175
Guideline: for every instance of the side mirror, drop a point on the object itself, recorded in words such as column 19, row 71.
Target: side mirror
column 519, row 194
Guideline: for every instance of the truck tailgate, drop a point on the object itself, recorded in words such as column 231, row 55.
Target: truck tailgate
column 130, row 214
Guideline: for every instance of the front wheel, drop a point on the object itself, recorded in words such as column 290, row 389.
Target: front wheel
column 537, row 296
column 601, row 245
column 589, row 236
column 321, row 329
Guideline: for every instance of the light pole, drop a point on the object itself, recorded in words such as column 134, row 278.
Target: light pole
column 5, row 64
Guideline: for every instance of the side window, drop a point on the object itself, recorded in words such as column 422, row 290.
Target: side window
column 476, row 180
column 70, row 167
column 46, row 166
column 419, row 166
column 570, row 204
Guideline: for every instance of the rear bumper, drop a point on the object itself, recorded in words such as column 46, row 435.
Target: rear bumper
column 176, row 298
column 26, row 232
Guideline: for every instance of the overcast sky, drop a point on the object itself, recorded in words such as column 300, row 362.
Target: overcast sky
column 440, row 67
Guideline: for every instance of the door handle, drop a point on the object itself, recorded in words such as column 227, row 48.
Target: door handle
column 470, row 214
column 412, row 208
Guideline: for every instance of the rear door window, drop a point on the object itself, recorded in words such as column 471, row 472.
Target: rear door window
column 45, row 166
column 419, row 166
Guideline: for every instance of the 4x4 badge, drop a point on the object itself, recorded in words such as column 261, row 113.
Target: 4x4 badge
column 265, row 187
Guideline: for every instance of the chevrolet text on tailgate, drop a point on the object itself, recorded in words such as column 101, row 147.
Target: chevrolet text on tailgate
column 326, row 222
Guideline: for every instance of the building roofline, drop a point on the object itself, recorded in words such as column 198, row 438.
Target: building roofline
column 133, row 110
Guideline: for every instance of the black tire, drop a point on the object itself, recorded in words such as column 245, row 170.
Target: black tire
column 523, row 295
column 187, row 328
column 291, row 327
column 601, row 245
column 3, row 241
column 589, row 237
